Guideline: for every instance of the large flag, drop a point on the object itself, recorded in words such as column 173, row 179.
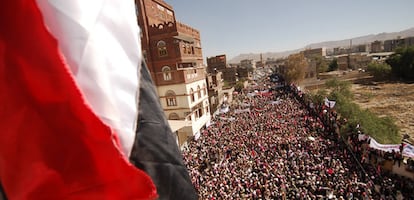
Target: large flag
column 68, row 97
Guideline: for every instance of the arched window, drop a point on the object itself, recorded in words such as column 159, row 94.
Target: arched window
column 192, row 95
column 171, row 98
column 199, row 92
column 204, row 89
column 199, row 113
column 166, row 71
column 173, row 116
column 162, row 48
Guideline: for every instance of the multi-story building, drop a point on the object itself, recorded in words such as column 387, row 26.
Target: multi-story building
column 173, row 53
column 391, row 45
column 245, row 69
column 341, row 50
column 247, row 63
column 216, row 63
column 311, row 53
column 230, row 75
column 360, row 48
column 353, row 61
column 278, row 65
column 377, row 46
column 215, row 90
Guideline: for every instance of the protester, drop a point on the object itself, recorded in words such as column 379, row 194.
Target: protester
column 276, row 149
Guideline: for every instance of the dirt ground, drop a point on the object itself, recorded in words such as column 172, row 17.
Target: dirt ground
column 389, row 99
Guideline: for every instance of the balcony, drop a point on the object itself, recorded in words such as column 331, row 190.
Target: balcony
column 186, row 75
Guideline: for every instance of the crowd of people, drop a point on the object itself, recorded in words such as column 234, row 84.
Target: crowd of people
column 273, row 147
column 373, row 161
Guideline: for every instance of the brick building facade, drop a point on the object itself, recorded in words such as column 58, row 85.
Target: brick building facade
column 216, row 63
column 173, row 53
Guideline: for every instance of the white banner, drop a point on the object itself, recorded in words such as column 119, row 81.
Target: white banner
column 237, row 111
column 275, row 102
column 363, row 137
column 384, row 147
column 224, row 109
column 408, row 150
column 329, row 103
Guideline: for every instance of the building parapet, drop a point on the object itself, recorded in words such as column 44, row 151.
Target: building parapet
column 182, row 28
column 166, row 27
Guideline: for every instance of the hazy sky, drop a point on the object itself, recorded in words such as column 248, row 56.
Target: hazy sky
column 252, row 26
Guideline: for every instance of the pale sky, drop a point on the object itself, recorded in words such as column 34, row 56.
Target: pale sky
column 233, row 27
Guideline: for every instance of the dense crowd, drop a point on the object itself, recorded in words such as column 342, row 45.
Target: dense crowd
column 274, row 150
column 273, row 147
column 373, row 160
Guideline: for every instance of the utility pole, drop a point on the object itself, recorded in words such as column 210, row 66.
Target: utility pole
column 349, row 54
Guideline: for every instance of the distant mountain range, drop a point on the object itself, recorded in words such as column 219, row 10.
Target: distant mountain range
column 328, row 44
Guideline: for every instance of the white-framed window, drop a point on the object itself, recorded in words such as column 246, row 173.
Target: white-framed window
column 199, row 92
column 166, row 72
column 171, row 98
column 192, row 95
column 204, row 89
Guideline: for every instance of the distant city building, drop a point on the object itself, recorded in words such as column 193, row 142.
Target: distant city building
column 278, row 65
column 353, row 61
column 173, row 53
column 215, row 90
column 260, row 63
column 216, row 63
column 244, row 73
column 230, row 75
column 377, row 46
column 360, row 48
column 311, row 53
column 391, row 45
column 247, row 64
column 341, row 50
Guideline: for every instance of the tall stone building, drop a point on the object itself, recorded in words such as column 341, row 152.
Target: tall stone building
column 173, row 53
column 216, row 63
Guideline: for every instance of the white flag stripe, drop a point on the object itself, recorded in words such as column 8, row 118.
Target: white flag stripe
column 102, row 48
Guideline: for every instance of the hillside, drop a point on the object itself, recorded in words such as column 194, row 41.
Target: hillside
column 328, row 44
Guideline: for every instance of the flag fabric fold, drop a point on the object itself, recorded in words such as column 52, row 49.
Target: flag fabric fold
column 155, row 150
column 100, row 42
column 55, row 142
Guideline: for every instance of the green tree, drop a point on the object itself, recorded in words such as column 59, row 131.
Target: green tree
column 402, row 62
column 383, row 129
column 333, row 65
column 321, row 64
column 339, row 88
column 296, row 65
column 319, row 96
column 239, row 85
column 379, row 70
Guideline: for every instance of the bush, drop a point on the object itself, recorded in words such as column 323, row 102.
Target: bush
column 379, row 70
column 402, row 62
column 333, row 65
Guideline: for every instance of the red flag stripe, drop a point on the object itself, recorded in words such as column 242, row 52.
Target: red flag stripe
column 52, row 146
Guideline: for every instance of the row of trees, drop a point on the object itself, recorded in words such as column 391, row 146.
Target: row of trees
column 400, row 64
column 383, row 129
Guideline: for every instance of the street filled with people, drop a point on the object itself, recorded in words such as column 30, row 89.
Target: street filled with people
column 270, row 145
